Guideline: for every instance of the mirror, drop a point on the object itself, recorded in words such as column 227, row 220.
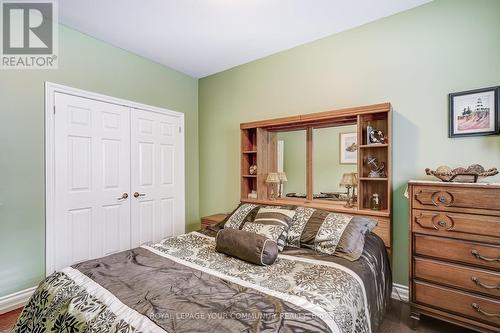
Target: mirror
column 334, row 155
column 291, row 159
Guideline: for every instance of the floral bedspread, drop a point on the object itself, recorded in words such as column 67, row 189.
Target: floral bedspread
column 141, row 291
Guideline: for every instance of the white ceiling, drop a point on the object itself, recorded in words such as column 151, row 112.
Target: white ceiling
column 203, row 37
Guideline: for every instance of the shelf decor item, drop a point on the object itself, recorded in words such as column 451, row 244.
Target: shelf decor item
column 374, row 136
column 272, row 179
column 252, row 195
column 375, row 202
column 349, row 180
column 471, row 174
column 474, row 112
column 376, row 167
column 253, row 169
column 369, row 129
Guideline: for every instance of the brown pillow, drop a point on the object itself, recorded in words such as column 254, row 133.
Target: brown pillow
column 247, row 246
column 352, row 242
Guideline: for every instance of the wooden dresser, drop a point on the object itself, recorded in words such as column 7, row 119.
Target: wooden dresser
column 455, row 253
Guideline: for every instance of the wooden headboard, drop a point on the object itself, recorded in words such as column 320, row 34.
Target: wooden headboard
column 258, row 147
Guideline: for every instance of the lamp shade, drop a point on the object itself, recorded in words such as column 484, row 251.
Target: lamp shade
column 349, row 179
column 282, row 176
column 272, row 177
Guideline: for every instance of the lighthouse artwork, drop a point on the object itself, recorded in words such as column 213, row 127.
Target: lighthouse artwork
column 474, row 113
column 475, row 119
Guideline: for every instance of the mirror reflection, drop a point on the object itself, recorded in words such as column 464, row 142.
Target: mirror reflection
column 291, row 163
column 335, row 163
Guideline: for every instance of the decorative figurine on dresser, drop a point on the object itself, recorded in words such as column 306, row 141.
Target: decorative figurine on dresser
column 454, row 264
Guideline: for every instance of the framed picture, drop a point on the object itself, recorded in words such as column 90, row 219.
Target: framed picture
column 348, row 148
column 474, row 112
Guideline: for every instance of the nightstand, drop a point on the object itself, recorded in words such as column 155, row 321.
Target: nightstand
column 207, row 221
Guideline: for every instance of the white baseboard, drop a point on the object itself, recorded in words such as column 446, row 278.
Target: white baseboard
column 400, row 292
column 15, row 300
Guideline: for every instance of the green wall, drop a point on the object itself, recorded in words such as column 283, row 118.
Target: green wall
column 412, row 59
column 88, row 64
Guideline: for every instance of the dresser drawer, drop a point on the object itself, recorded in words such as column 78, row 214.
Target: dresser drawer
column 457, row 276
column 444, row 198
column 479, row 254
column 464, row 304
column 449, row 224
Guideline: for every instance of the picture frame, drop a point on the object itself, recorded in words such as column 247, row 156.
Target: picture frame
column 348, row 148
column 474, row 113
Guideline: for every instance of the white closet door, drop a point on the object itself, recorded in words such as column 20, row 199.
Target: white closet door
column 92, row 179
column 156, row 152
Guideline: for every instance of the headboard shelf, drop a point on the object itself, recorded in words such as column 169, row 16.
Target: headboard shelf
column 259, row 146
column 382, row 145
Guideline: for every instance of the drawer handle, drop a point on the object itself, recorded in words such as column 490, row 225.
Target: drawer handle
column 478, row 256
column 480, row 284
column 442, row 224
column 442, row 199
column 484, row 313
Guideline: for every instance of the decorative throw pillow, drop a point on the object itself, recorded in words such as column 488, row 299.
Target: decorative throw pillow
column 298, row 233
column 329, row 233
column 332, row 233
column 273, row 223
column 247, row 246
column 243, row 213
column 352, row 242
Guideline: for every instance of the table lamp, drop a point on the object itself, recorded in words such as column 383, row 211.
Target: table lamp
column 273, row 179
column 282, row 178
column 349, row 180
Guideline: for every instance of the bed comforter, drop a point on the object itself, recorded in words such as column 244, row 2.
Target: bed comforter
column 183, row 285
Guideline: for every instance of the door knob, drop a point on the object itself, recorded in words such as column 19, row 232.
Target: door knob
column 123, row 197
column 137, row 195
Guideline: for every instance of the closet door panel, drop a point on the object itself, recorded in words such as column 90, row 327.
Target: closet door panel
column 154, row 162
column 92, row 167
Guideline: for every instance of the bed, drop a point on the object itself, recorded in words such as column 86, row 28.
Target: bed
column 182, row 284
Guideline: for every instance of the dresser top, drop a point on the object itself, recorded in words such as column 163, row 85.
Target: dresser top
column 440, row 183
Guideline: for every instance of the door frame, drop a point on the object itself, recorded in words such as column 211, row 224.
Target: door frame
column 50, row 90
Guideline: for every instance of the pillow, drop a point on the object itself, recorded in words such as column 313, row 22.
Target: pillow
column 317, row 229
column 272, row 222
column 352, row 242
column 242, row 214
column 247, row 246
column 332, row 233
